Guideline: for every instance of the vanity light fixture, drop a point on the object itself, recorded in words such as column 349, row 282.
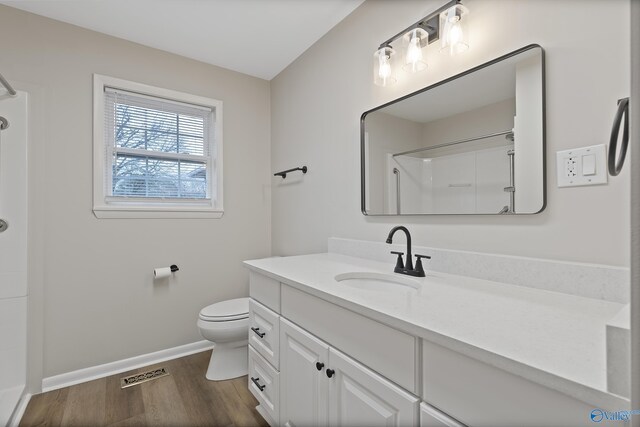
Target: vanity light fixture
column 446, row 23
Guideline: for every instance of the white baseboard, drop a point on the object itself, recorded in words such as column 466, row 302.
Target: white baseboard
column 100, row 371
column 16, row 417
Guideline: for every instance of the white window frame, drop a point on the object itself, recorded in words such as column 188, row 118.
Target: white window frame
column 105, row 206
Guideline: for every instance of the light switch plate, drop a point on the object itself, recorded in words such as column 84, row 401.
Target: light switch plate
column 575, row 167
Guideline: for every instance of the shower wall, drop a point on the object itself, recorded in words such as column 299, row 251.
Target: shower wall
column 13, row 254
column 470, row 183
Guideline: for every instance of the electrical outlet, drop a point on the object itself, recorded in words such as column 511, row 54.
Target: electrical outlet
column 570, row 167
column 582, row 166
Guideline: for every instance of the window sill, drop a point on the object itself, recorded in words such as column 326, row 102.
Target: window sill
column 133, row 212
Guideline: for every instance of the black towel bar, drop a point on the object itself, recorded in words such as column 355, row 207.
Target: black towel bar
column 283, row 174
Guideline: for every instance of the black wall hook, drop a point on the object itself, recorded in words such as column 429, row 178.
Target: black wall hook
column 174, row 268
column 283, row 174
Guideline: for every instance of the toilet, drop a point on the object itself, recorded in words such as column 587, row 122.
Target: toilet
column 226, row 324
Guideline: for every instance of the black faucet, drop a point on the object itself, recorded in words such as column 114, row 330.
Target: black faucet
column 400, row 266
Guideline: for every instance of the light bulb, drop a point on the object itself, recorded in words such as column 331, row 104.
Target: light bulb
column 384, row 70
column 383, row 73
column 413, row 43
column 414, row 53
column 454, row 37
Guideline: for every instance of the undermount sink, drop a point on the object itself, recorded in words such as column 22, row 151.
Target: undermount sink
column 378, row 281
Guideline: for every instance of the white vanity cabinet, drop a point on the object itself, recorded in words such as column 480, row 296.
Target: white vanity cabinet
column 288, row 374
column 320, row 386
column 404, row 361
column 468, row 390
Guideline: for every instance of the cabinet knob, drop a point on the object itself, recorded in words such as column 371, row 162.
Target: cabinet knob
column 258, row 333
column 330, row 372
column 319, row 366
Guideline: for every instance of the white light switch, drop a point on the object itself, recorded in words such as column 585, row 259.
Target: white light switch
column 589, row 165
column 582, row 166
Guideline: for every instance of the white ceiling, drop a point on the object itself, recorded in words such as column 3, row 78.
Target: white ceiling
column 484, row 87
column 255, row 37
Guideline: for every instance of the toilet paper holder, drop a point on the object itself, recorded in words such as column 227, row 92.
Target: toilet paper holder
column 164, row 272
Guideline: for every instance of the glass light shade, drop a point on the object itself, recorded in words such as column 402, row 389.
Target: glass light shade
column 383, row 69
column 413, row 43
column 453, row 30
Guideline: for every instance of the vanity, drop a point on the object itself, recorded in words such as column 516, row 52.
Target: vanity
column 443, row 350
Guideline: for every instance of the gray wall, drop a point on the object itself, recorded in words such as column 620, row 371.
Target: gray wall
column 317, row 101
column 481, row 121
column 387, row 135
column 93, row 278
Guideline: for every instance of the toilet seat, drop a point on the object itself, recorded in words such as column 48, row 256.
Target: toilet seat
column 226, row 311
column 223, row 318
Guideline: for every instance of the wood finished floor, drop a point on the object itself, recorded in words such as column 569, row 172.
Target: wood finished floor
column 184, row 398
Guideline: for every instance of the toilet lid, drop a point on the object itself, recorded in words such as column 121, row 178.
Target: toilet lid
column 232, row 309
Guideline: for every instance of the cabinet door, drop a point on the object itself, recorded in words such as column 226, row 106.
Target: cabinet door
column 303, row 387
column 359, row 396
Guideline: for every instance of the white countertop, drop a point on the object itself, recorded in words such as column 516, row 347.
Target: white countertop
column 555, row 339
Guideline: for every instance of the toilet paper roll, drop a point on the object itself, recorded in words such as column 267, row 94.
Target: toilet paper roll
column 161, row 272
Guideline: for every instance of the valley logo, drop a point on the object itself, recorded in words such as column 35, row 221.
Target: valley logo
column 598, row 415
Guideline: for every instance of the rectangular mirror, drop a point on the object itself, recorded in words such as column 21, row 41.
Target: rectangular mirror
column 471, row 144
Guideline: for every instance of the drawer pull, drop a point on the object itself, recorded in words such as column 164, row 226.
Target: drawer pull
column 255, row 381
column 330, row 372
column 258, row 333
column 319, row 366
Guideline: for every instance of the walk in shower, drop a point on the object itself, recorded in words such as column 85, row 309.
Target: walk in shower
column 13, row 249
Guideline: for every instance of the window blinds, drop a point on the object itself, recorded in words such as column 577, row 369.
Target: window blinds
column 157, row 148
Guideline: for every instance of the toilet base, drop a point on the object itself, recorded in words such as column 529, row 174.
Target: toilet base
column 228, row 360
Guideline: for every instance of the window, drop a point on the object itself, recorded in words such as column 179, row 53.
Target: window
column 157, row 153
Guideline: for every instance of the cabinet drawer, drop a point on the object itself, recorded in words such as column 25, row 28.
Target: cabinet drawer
column 431, row 417
column 264, row 384
column 264, row 332
column 388, row 351
column 265, row 289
